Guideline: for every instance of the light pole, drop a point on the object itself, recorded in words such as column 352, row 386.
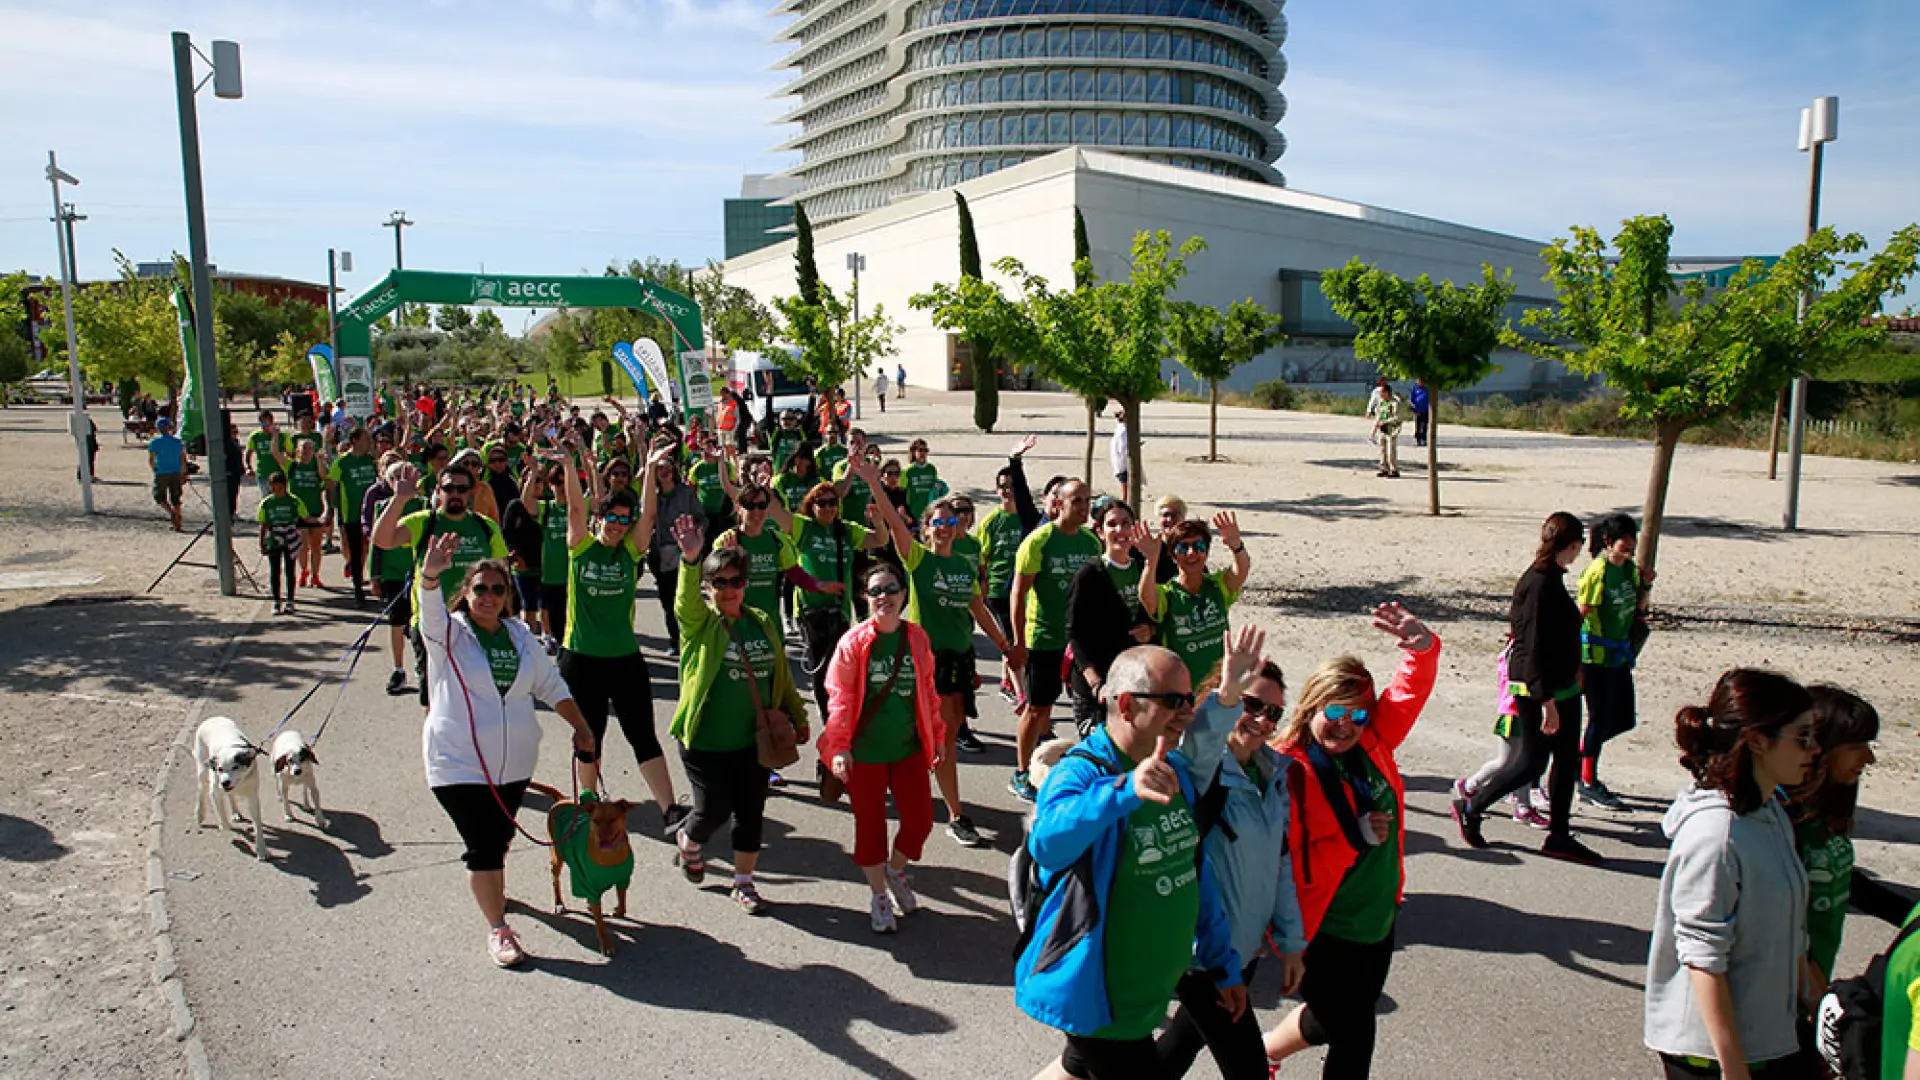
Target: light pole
column 226, row 84
column 1819, row 125
column 63, row 236
column 338, row 262
column 856, row 262
column 397, row 221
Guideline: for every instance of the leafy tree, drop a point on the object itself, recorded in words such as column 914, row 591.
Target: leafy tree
column 734, row 318
column 247, row 333
column 403, row 356
column 1683, row 356
column 1211, row 344
column 489, row 323
column 1082, row 252
column 452, row 317
column 1442, row 333
column 565, row 346
column 831, row 343
column 1135, row 310
column 16, row 349
column 127, row 330
column 415, row 317
column 806, row 275
column 986, row 373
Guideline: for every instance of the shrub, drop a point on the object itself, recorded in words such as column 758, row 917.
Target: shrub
column 1276, row 394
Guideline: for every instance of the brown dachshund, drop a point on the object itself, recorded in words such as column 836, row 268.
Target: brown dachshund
column 596, row 850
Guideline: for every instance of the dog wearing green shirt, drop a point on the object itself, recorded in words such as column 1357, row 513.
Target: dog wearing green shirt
column 596, row 850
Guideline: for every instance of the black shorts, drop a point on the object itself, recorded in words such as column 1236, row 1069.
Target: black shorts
column 553, row 599
column 1001, row 608
column 527, row 585
column 401, row 613
column 1088, row 1058
column 953, row 673
column 484, row 827
column 1043, row 676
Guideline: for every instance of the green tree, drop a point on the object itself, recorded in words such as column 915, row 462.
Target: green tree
column 1442, row 333
column 127, row 330
column 1082, row 252
column 806, row 274
column 247, row 333
column 16, row 349
column 734, row 319
column 452, row 317
column 489, row 323
column 1683, row 356
column 1211, row 344
column 403, row 356
column 831, row 343
column 986, row 372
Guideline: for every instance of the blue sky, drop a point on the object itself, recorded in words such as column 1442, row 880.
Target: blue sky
column 549, row 136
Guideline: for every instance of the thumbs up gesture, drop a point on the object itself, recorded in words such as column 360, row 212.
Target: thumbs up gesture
column 1153, row 779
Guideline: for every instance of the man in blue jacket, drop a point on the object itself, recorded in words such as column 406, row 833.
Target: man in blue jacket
column 1129, row 904
column 1421, row 400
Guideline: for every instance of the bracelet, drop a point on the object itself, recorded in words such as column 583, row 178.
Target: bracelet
column 585, row 757
column 431, row 582
column 1241, row 550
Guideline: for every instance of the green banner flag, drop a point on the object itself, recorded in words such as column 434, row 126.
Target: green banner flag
column 192, row 415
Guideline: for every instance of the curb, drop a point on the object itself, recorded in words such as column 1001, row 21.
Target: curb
column 166, row 968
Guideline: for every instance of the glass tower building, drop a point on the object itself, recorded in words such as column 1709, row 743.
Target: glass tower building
column 897, row 97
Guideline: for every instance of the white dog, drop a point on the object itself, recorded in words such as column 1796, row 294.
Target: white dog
column 226, row 764
column 294, row 763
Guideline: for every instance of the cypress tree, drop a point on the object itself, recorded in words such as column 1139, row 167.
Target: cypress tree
column 806, row 274
column 986, row 376
column 1082, row 251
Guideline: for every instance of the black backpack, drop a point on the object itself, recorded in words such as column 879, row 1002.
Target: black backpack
column 1848, row 1027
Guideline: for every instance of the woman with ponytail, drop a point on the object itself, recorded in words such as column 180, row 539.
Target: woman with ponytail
column 1726, row 976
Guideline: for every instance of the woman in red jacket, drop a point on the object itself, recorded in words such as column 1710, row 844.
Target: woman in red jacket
column 1348, row 840
column 884, row 733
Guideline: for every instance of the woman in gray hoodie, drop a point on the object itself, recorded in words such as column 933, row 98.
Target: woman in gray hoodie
column 1726, row 974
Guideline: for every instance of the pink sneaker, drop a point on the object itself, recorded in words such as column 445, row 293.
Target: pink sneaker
column 505, row 948
column 1525, row 814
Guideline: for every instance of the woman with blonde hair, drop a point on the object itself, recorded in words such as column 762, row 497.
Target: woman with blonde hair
column 1348, row 839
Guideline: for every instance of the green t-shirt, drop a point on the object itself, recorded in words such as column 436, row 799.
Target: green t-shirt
column 942, row 596
column 1053, row 557
column 769, row 556
column 1613, row 592
column 727, row 722
column 1828, row 857
column 600, row 585
column 968, row 548
column 1127, row 580
column 828, row 458
column 783, row 442
column 395, row 565
column 706, row 481
column 502, row 657
column 554, row 562
column 822, row 556
column 853, row 505
column 919, row 481
column 478, row 540
column 356, row 475
column 891, row 733
column 303, row 483
column 1153, row 910
column 999, row 534
column 1192, row 624
column 260, row 446
column 281, row 515
column 1902, row 996
column 792, row 489
column 1364, row 906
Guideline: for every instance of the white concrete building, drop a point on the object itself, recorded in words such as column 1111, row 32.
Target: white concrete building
column 1264, row 242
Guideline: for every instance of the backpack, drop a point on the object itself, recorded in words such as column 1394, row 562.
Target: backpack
column 1027, row 892
column 1848, row 1025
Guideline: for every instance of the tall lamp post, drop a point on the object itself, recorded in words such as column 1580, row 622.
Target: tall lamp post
column 226, row 84
column 1819, row 125
column 63, row 235
column 856, row 262
column 397, row 221
column 338, row 262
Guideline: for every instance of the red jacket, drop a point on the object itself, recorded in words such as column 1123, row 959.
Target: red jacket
column 847, row 691
column 1321, row 855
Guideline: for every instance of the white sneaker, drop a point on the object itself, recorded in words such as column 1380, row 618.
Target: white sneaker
column 883, row 919
column 902, row 891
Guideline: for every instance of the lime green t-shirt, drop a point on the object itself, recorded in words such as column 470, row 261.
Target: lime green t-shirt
column 1364, row 906
column 891, row 733
column 769, row 555
column 828, row 458
column 706, row 480
column 919, row 481
column 825, row 558
column 1153, row 910
column 1127, row 580
column 319, row 444
column 356, row 474
column 793, row 489
column 478, row 540
column 1191, row 624
column 1613, row 592
column 942, row 596
column 1053, row 557
column 601, row 580
column 968, row 548
column 999, row 534
column 502, row 658
column 1898, row 1033
column 853, row 505
column 260, row 445
column 727, row 722
column 783, row 442
column 303, row 483
column 281, row 514
column 395, row 565
column 554, row 568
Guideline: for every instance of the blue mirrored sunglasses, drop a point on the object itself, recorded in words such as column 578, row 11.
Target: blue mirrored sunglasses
column 1342, row 712
column 943, row 522
column 1188, row 547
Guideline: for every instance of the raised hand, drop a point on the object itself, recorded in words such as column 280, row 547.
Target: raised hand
column 1241, row 664
column 407, row 484
column 440, row 553
column 1020, row 448
column 1153, row 779
column 1228, row 526
column 688, row 537
column 1145, row 541
column 1397, row 622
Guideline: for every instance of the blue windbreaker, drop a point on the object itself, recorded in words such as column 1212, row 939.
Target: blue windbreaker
column 1060, row 978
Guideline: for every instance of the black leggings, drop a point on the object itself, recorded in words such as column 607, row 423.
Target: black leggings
column 666, row 581
column 821, row 629
column 1535, row 747
column 620, row 683
column 1610, row 706
column 1201, row 1021
column 1341, row 989
column 726, row 784
column 484, row 828
column 1087, row 1058
column 356, row 545
column 277, row 558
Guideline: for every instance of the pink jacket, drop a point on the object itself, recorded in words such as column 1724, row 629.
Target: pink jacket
column 847, row 691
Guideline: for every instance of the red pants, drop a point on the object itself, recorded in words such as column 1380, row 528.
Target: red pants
column 912, row 799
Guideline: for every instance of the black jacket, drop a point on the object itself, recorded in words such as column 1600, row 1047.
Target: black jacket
column 1545, row 623
column 1099, row 622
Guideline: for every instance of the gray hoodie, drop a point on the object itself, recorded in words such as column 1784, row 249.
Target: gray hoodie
column 1733, row 900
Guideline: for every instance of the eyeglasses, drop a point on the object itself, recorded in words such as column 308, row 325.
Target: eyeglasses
column 1190, row 547
column 880, row 592
column 1172, row 699
column 1260, row 710
column 943, row 522
column 729, row 582
column 1342, row 712
column 489, row 590
column 496, row 461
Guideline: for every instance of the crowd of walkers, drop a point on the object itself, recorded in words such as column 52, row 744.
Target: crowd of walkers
column 1193, row 828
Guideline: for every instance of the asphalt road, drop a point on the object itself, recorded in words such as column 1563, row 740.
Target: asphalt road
column 357, row 952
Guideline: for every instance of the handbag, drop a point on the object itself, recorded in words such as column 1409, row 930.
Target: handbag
column 831, row 786
column 773, row 733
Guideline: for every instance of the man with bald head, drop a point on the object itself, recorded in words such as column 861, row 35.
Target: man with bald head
column 1044, row 570
column 1129, row 902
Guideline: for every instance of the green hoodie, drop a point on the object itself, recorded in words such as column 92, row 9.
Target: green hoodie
column 704, row 643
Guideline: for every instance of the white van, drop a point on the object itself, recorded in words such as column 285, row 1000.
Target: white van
column 751, row 375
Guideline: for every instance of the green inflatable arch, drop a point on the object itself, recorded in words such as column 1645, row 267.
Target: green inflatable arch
column 354, row 325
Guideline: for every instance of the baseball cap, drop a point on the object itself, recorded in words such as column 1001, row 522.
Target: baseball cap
column 163, row 423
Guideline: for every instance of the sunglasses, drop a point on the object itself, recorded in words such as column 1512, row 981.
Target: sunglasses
column 826, row 502
column 1342, row 712
column 751, row 507
column 455, row 489
column 618, row 519
column 880, row 592
column 489, row 590
column 1260, row 710
column 1172, row 699
column 729, row 582
column 943, row 522
column 1190, row 547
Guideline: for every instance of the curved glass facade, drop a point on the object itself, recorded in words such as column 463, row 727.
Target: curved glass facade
column 903, row 96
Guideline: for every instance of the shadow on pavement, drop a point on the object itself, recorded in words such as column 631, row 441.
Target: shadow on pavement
column 303, row 854
column 1326, row 506
column 27, row 841
column 730, row 983
column 1470, row 924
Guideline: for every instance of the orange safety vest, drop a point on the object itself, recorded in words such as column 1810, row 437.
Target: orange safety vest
column 728, row 411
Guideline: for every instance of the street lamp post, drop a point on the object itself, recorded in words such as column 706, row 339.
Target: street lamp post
column 338, row 262
column 397, row 221
column 856, row 262
column 63, row 235
column 1819, row 125
column 226, row 84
